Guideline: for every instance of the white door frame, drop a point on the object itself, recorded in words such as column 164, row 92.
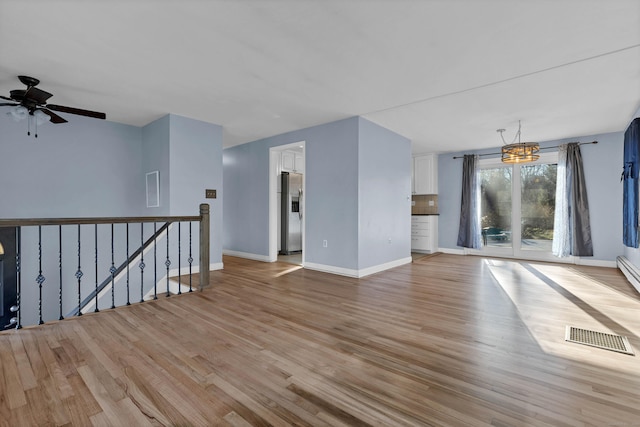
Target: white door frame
column 274, row 171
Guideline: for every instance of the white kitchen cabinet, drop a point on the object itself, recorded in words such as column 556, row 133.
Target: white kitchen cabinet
column 291, row 161
column 299, row 163
column 425, row 174
column 424, row 233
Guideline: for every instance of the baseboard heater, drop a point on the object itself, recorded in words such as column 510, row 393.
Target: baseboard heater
column 631, row 272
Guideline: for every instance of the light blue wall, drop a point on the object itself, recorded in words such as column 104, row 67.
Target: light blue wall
column 195, row 165
column 188, row 155
column 155, row 157
column 331, row 169
column 86, row 167
column 246, row 205
column 384, row 192
column 331, row 155
column 602, row 164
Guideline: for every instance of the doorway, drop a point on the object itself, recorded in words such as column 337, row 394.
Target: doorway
column 8, row 282
column 517, row 207
column 287, row 172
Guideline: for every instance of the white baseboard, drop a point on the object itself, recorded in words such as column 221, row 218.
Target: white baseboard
column 630, row 271
column 594, row 262
column 567, row 260
column 357, row 273
column 247, row 255
column 331, row 269
column 452, row 251
column 386, row 266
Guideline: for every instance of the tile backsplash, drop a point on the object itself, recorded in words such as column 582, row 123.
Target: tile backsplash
column 424, row 204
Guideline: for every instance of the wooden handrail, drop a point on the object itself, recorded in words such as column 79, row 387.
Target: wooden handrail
column 92, row 220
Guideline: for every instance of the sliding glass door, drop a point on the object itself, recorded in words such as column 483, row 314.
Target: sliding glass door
column 517, row 207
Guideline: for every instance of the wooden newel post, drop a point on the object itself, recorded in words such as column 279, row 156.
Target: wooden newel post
column 204, row 245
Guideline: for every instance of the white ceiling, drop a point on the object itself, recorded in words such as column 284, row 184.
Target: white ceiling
column 445, row 74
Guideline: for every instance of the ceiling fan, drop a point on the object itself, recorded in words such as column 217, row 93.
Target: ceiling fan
column 33, row 102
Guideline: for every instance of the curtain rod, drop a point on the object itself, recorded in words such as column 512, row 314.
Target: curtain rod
column 542, row 148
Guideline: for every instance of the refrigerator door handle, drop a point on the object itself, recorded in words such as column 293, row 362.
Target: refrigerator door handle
column 300, row 203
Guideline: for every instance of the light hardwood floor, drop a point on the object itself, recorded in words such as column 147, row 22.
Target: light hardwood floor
column 447, row 340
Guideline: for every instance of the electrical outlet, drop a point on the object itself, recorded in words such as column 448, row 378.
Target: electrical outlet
column 324, row 243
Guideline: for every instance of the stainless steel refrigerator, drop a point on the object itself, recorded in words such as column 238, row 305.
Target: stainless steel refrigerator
column 291, row 213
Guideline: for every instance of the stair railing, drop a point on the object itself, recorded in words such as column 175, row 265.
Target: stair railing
column 71, row 240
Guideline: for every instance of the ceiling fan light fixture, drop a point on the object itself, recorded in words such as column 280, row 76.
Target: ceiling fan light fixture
column 41, row 117
column 519, row 152
column 18, row 113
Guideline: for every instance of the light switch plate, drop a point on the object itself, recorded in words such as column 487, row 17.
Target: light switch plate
column 210, row 194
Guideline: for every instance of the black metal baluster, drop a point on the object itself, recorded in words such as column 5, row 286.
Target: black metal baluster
column 155, row 264
column 60, row 270
column 79, row 275
column 190, row 258
column 40, row 279
column 96, row 240
column 19, row 276
column 112, row 270
column 179, row 267
column 168, row 262
column 127, row 229
column 142, row 262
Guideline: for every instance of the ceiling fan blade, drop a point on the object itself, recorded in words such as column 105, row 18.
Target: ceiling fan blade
column 6, row 97
column 6, row 104
column 78, row 111
column 54, row 117
column 38, row 95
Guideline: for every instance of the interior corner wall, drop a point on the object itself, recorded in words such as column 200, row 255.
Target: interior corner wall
column 187, row 153
column 602, row 165
column 195, row 164
column 82, row 168
column 384, row 193
column 331, row 204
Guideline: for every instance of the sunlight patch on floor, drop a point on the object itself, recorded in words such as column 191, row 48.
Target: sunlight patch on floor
column 566, row 301
column 287, row 271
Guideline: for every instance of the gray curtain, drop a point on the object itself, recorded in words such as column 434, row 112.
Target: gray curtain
column 581, row 244
column 469, row 231
column 576, row 226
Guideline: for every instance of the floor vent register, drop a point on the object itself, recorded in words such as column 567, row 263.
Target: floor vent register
column 601, row 340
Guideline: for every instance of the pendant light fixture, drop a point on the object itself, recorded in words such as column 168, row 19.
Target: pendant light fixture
column 519, row 152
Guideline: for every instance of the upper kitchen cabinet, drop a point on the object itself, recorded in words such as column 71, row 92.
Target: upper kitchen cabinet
column 292, row 161
column 425, row 174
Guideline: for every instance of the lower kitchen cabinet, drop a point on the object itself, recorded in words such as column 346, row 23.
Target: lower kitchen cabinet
column 424, row 233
